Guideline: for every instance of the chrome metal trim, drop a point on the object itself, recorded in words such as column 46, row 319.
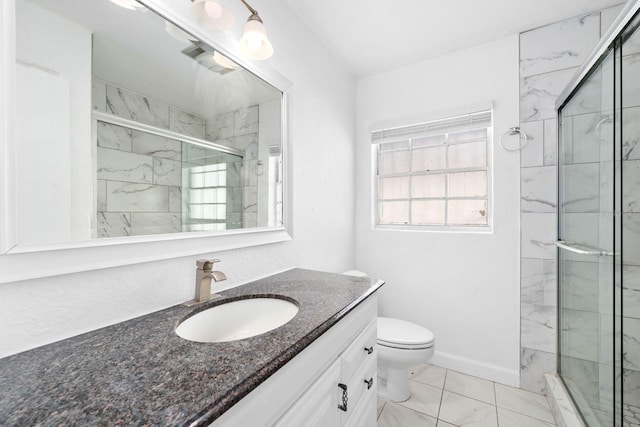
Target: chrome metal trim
column 120, row 121
column 624, row 17
column 582, row 249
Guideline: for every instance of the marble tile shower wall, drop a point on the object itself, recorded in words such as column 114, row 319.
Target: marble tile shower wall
column 549, row 57
column 239, row 129
column 140, row 174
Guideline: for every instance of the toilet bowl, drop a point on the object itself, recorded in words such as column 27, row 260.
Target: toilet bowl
column 401, row 344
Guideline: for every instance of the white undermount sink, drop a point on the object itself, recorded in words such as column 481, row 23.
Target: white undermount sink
column 237, row 319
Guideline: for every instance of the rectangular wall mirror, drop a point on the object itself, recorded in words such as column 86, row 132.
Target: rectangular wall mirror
column 126, row 125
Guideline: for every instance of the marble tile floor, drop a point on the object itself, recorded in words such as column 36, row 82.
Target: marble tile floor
column 445, row 398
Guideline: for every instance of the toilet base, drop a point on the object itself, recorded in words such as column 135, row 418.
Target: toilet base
column 393, row 384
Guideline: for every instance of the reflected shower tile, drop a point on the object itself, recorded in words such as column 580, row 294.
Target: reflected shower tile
column 130, row 105
column 550, row 141
column 155, row 223
column 117, row 165
column 631, row 87
column 580, row 334
column 123, row 196
column 101, row 195
column 538, row 189
column 533, row 365
column 167, row 172
column 532, row 154
column 156, row 146
column 245, row 121
column 113, row 224
column 194, row 155
column 582, row 377
column 581, row 187
column 537, row 327
column 588, row 98
column 538, row 235
column 220, row 127
column 186, row 123
column 248, row 142
column 631, row 133
column 112, row 136
column 98, row 95
column 631, row 291
column 175, row 199
column 564, row 44
column 538, row 94
column 250, row 202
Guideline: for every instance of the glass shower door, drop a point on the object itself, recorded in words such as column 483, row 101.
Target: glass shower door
column 587, row 244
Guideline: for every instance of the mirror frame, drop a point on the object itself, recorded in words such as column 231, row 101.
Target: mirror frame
column 30, row 261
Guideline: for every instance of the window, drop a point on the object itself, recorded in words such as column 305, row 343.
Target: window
column 434, row 174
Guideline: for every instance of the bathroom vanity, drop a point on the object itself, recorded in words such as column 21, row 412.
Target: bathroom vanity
column 317, row 369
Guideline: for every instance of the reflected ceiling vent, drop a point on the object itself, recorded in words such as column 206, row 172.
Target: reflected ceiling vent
column 209, row 58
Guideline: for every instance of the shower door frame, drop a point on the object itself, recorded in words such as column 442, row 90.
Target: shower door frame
column 611, row 43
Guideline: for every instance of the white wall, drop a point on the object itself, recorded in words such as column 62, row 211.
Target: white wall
column 37, row 312
column 462, row 286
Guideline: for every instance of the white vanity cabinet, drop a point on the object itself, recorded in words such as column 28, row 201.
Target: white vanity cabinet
column 309, row 390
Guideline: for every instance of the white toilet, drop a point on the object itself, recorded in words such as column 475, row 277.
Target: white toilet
column 401, row 344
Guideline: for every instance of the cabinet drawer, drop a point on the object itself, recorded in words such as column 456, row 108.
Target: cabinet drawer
column 359, row 389
column 360, row 351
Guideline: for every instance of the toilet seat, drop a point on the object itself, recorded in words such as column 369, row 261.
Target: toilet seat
column 400, row 334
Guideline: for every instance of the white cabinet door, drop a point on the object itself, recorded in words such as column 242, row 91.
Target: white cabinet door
column 318, row 406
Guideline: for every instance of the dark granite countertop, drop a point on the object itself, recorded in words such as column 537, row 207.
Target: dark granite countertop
column 139, row 372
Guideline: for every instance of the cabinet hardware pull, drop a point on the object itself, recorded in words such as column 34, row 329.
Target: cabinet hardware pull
column 345, row 397
column 369, row 382
column 369, row 350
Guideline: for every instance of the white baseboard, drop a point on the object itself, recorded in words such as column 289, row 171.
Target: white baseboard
column 495, row 373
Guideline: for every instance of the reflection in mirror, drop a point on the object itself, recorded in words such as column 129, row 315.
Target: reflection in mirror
column 127, row 125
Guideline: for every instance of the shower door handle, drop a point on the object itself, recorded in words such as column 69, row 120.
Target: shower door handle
column 582, row 249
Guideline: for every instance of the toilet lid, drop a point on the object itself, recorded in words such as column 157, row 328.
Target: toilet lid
column 402, row 334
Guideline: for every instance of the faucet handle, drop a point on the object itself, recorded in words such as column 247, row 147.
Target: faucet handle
column 206, row 264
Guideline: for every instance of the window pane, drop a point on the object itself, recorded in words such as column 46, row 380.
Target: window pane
column 468, row 184
column 468, row 135
column 428, row 141
column 394, row 162
column 395, row 146
column 428, row 159
column 394, row 212
column 425, row 212
column 197, row 180
column 467, row 212
column 423, row 186
column 394, row 188
column 469, row 155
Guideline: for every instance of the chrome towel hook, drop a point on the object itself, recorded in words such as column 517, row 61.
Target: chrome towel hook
column 514, row 131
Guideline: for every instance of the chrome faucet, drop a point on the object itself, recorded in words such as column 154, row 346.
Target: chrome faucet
column 204, row 275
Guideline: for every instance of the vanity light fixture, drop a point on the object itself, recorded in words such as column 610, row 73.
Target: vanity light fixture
column 128, row 4
column 223, row 61
column 254, row 43
column 213, row 14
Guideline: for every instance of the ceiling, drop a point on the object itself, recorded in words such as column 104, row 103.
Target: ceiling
column 372, row 36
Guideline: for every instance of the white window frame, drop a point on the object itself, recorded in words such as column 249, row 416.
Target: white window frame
column 429, row 128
